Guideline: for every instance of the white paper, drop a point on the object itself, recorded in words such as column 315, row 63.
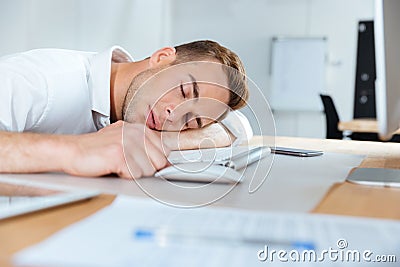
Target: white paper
column 107, row 237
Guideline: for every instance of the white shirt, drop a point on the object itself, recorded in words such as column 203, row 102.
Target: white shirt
column 239, row 126
column 57, row 91
column 67, row 92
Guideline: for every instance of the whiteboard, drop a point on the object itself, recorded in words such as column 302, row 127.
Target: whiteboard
column 297, row 73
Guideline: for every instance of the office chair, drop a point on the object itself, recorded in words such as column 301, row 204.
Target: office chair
column 332, row 118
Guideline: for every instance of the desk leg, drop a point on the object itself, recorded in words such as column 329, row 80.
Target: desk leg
column 347, row 134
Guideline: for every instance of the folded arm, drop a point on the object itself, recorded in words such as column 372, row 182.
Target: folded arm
column 232, row 130
column 213, row 135
column 110, row 150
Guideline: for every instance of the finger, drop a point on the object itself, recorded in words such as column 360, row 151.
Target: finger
column 129, row 171
column 117, row 124
column 157, row 158
column 156, row 140
column 114, row 125
column 140, row 159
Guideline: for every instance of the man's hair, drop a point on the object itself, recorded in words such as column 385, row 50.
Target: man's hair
column 232, row 65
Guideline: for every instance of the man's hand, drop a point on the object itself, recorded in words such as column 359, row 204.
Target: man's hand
column 118, row 148
column 122, row 148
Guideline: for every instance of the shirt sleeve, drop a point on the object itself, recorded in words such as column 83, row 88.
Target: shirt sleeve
column 23, row 97
column 239, row 126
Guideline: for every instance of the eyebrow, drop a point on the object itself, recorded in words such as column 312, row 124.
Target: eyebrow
column 195, row 86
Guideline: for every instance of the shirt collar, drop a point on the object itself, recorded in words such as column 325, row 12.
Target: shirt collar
column 100, row 72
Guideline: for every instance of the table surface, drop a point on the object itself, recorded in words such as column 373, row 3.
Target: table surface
column 361, row 126
column 344, row 198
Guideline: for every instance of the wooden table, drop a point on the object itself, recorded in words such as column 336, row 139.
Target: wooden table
column 346, row 198
column 361, row 126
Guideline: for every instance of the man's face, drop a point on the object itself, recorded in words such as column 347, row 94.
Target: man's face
column 179, row 97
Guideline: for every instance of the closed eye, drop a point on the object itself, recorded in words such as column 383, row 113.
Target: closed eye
column 187, row 119
column 182, row 91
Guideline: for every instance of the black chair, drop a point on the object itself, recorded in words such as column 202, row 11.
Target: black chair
column 332, row 118
column 332, row 121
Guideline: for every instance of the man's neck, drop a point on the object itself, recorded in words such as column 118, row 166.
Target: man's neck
column 121, row 77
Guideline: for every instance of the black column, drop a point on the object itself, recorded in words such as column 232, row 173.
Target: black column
column 364, row 99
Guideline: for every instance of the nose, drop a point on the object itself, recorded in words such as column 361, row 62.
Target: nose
column 173, row 117
column 169, row 114
column 168, row 110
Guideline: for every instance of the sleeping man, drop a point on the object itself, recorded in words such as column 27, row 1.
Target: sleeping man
column 93, row 114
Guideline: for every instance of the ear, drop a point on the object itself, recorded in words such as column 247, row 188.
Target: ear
column 162, row 56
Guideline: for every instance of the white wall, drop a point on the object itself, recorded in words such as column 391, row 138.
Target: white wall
column 142, row 26
column 91, row 25
column 248, row 26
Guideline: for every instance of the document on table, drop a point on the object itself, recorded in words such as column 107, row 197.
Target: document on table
column 143, row 232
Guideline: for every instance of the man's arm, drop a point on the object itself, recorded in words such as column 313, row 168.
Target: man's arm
column 110, row 150
column 213, row 135
column 234, row 129
column 29, row 152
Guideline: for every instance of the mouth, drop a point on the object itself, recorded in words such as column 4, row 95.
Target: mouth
column 151, row 120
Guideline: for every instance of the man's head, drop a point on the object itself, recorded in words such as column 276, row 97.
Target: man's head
column 188, row 86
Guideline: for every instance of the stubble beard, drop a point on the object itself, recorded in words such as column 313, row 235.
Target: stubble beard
column 134, row 95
